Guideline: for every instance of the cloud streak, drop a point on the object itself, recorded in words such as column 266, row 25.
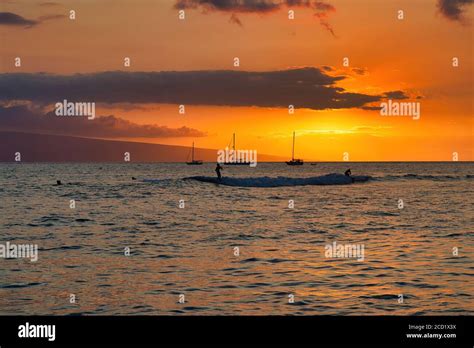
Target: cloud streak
column 321, row 9
column 310, row 88
column 24, row 119
column 12, row 19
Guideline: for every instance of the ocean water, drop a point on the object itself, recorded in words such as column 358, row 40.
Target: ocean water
column 191, row 250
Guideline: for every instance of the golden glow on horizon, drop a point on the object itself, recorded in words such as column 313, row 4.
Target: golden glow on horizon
column 395, row 55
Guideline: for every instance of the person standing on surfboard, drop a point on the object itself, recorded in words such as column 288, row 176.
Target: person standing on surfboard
column 349, row 174
column 218, row 171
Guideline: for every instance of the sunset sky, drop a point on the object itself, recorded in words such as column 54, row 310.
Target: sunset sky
column 282, row 61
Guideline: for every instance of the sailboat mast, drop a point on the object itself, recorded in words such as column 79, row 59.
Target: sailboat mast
column 233, row 142
column 293, row 151
column 193, row 151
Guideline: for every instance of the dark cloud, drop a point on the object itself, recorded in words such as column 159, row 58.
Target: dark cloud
column 359, row 71
column 309, row 88
column 261, row 6
column 396, row 95
column 327, row 68
column 321, row 9
column 371, row 108
column 21, row 118
column 453, row 9
column 400, row 95
column 12, row 19
column 8, row 18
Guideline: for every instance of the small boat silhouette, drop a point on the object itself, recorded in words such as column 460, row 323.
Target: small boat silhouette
column 193, row 161
column 294, row 161
column 236, row 163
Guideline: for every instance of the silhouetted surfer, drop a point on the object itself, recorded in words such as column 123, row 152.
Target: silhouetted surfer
column 349, row 174
column 218, row 171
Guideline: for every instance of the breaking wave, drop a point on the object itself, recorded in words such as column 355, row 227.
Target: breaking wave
column 329, row 179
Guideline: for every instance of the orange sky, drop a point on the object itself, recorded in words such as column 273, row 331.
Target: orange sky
column 413, row 55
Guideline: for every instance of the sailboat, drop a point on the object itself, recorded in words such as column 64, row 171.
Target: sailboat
column 235, row 162
column 297, row 161
column 193, row 161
